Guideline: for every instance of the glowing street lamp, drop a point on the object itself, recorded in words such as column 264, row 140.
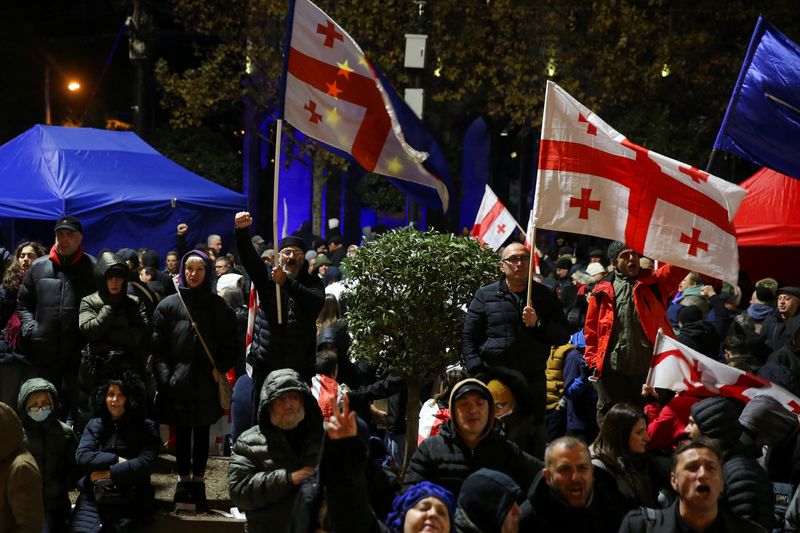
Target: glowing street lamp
column 73, row 86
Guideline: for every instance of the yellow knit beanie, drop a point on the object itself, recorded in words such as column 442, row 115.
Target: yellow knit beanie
column 500, row 392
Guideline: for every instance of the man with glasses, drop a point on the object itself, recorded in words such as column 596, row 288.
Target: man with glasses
column 502, row 330
column 626, row 309
column 293, row 342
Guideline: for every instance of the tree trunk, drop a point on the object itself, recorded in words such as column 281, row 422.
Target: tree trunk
column 319, row 180
column 412, row 418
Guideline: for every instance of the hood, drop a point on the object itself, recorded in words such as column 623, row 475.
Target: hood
column 279, row 382
column 578, row 339
column 209, row 270
column 759, row 312
column 480, row 387
column 105, row 262
column 766, row 416
column 11, row 430
column 31, row 386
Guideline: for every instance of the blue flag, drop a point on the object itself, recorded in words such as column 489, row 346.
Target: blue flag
column 762, row 122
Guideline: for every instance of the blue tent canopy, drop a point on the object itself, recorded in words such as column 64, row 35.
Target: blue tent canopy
column 125, row 193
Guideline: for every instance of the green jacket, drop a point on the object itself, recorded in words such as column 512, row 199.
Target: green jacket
column 21, row 508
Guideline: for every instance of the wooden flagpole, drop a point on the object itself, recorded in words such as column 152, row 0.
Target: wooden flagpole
column 531, row 261
column 276, row 180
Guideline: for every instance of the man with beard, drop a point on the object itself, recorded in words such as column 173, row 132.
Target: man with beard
column 293, row 342
column 271, row 460
column 697, row 478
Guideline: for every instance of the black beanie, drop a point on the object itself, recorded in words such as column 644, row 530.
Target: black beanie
column 564, row 262
column 614, row 249
column 718, row 418
column 293, row 240
column 486, row 497
column 689, row 314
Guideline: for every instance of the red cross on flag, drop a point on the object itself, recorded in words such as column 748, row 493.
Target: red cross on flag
column 335, row 95
column 592, row 180
column 494, row 223
column 677, row 367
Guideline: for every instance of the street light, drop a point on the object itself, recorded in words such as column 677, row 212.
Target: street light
column 72, row 86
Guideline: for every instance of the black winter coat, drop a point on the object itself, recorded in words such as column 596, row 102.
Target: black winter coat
column 494, row 334
column 544, row 512
column 748, row 490
column 187, row 393
column 49, row 299
column 293, row 343
column 645, row 520
column 446, row 459
column 103, row 442
column 700, row 336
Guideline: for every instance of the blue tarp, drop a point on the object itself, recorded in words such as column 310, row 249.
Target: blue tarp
column 125, row 193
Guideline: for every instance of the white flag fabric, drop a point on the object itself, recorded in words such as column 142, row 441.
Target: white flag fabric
column 592, row 180
column 494, row 223
column 677, row 367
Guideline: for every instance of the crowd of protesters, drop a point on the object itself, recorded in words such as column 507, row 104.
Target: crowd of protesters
column 547, row 425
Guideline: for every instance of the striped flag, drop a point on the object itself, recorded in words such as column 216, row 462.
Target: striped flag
column 252, row 308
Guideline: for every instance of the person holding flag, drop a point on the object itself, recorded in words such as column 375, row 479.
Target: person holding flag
column 504, row 329
column 626, row 310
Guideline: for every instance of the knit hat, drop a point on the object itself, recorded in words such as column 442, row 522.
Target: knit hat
column 564, row 262
column 717, row 418
column 424, row 489
column 564, row 250
column 500, row 392
column 766, row 416
column 595, row 268
column 293, row 240
column 614, row 249
column 689, row 314
column 486, row 497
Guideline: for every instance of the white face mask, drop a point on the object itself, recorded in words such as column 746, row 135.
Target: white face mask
column 39, row 415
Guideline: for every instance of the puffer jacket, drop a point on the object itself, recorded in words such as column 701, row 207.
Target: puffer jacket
column 554, row 372
column 494, row 334
column 187, row 393
column 49, row 300
column 748, row 490
column 291, row 344
column 117, row 330
column 52, row 443
column 651, row 293
column 262, row 460
column 21, row 508
column 103, row 442
column 445, row 459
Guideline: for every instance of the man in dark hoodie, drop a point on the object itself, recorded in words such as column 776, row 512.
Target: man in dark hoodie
column 49, row 298
column 783, row 365
column 467, row 442
column 488, row 504
column 271, row 460
column 292, row 342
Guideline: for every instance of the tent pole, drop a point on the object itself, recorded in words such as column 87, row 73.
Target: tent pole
column 278, row 130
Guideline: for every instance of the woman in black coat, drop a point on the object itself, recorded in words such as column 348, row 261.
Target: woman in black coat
column 187, row 381
column 116, row 453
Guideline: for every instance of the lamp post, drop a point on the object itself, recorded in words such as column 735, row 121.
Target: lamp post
column 72, row 86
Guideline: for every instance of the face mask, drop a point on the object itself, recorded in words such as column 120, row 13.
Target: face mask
column 40, row 415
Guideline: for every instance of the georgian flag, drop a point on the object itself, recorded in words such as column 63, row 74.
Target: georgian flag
column 494, row 223
column 592, row 180
column 336, row 96
column 677, row 367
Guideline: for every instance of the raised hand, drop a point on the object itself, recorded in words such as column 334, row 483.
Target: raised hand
column 243, row 220
column 342, row 423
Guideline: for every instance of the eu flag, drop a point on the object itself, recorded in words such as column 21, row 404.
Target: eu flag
column 762, row 122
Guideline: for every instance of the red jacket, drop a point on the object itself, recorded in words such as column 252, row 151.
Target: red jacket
column 651, row 293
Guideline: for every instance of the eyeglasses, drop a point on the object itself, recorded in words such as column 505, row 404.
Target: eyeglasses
column 38, row 408
column 292, row 251
column 516, row 259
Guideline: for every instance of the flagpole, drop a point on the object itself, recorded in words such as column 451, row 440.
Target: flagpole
column 659, row 335
column 276, row 180
column 531, row 261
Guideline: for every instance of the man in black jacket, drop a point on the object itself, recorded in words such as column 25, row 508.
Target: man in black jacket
column 292, row 343
column 49, row 301
column 502, row 330
column 569, row 495
column 697, row 478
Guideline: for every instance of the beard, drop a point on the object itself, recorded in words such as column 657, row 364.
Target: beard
column 287, row 420
column 291, row 263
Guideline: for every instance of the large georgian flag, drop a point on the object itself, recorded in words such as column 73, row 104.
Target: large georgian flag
column 493, row 223
column 677, row 367
column 335, row 95
column 592, row 180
